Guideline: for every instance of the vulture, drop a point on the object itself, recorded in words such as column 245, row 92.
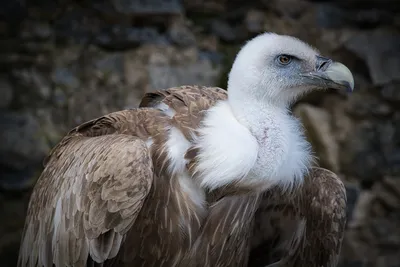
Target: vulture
column 197, row 176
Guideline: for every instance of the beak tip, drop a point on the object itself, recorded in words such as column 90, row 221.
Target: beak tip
column 340, row 74
column 349, row 88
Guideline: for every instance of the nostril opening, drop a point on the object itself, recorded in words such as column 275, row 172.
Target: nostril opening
column 323, row 65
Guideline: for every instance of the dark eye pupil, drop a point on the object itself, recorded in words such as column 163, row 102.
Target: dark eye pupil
column 284, row 59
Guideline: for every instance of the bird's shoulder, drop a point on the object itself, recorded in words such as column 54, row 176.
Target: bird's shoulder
column 184, row 96
column 328, row 194
column 186, row 105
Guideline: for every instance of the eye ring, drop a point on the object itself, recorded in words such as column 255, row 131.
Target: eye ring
column 284, row 59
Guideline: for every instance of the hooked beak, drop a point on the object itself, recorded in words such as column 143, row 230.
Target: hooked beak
column 330, row 74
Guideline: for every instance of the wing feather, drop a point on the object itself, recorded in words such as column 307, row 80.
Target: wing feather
column 324, row 208
column 225, row 236
column 304, row 227
column 88, row 196
column 187, row 103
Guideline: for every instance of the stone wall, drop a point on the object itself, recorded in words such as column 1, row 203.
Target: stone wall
column 65, row 62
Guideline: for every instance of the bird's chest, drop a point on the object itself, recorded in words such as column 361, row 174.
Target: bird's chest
column 283, row 152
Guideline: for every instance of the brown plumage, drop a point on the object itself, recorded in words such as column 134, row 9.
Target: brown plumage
column 114, row 202
column 127, row 189
column 316, row 212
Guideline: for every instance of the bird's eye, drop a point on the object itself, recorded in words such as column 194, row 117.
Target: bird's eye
column 284, row 59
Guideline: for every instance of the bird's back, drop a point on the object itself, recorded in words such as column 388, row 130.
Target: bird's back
column 105, row 188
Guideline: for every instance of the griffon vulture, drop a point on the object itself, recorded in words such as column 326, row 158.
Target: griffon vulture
column 197, row 176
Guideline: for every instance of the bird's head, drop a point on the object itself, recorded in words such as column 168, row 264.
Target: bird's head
column 278, row 69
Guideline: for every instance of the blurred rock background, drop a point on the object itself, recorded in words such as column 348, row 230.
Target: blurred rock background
column 65, row 62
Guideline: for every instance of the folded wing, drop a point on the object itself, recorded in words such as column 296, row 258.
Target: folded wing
column 88, row 196
column 302, row 228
